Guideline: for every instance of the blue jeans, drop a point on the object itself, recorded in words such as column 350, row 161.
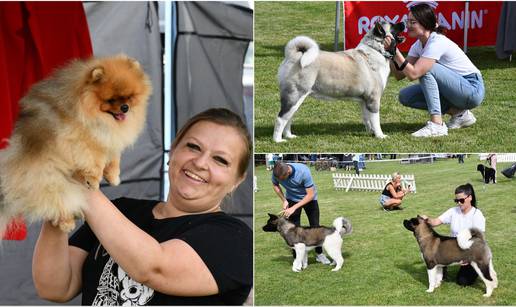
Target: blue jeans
column 441, row 89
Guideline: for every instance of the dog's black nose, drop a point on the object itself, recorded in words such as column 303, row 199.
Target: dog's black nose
column 124, row 108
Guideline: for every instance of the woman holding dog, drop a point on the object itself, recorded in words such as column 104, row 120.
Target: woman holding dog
column 449, row 83
column 392, row 195
column 184, row 251
column 463, row 216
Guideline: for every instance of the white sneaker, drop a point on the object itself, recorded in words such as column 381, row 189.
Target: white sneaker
column 462, row 120
column 322, row 259
column 431, row 129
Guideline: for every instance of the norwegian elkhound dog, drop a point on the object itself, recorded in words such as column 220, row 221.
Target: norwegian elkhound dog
column 359, row 73
column 303, row 239
column 439, row 251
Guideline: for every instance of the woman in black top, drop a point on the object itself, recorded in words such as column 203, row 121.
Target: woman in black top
column 392, row 195
column 184, row 251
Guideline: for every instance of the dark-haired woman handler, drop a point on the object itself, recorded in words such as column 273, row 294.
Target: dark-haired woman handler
column 463, row 216
column 449, row 83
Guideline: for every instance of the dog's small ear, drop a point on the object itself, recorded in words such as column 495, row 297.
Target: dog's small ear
column 378, row 30
column 97, row 74
column 272, row 216
column 399, row 27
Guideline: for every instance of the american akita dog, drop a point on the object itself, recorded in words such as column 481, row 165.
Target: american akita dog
column 303, row 239
column 359, row 73
column 439, row 251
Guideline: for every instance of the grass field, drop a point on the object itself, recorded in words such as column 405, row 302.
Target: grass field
column 382, row 263
column 323, row 126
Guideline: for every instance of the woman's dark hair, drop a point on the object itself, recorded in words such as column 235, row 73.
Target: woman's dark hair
column 468, row 190
column 425, row 15
column 223, row 117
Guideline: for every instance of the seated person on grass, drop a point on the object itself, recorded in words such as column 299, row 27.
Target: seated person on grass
column 392, row 195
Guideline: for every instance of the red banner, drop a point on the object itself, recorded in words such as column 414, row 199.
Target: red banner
column 360, row 16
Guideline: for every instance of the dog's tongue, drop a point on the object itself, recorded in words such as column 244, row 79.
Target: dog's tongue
column 119, row 116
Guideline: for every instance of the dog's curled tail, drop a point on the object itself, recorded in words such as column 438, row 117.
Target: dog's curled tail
column 342, row 225
column 467, row 237
column 302, row 49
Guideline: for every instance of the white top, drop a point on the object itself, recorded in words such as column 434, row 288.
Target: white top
column 445, row 52
column 459, row 221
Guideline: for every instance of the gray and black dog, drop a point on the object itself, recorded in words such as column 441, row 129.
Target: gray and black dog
column 303, row 239
column 359, row 73
column 439, row 251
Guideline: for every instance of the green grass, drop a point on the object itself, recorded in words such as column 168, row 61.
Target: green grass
column 382, row 263
column 323, row 126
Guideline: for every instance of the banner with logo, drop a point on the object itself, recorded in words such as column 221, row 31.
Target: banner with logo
column 360, row 16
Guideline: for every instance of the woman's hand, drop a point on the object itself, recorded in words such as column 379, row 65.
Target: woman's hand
column 387, row 42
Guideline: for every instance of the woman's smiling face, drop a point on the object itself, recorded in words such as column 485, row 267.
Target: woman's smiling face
column 203, row 166
column 414, row 28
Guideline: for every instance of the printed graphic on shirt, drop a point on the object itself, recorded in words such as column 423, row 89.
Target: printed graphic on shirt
column 119, row 289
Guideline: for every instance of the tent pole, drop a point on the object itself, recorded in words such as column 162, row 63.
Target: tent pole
column 343, row 25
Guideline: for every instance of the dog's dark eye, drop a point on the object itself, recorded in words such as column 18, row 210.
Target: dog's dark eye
column 111, row 100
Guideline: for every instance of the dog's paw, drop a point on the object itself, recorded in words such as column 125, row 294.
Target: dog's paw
column 335, row 269
column 430, row 290
column 486, row 295
column 66, row 224
column 279, row 140
column 290, row 136
column 381, row 136
column 114, row 181
column 93, row 184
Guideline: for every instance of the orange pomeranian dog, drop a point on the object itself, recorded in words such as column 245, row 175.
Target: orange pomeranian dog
column 71, row 131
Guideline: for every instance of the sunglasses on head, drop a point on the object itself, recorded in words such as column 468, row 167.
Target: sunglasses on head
column 460, row 200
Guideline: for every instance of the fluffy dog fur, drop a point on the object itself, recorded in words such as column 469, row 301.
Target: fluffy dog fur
column 488, row 173
column 71, row 130
column 439, row 251
column 359, row 73
column 303, row 239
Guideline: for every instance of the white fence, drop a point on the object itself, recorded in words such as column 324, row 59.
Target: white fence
column 369, row 182
column 509, row 157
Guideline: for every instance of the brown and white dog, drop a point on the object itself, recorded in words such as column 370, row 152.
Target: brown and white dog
column 303, row 239
column 439, row 251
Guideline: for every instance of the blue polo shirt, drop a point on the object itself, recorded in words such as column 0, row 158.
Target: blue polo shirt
column 297, row 183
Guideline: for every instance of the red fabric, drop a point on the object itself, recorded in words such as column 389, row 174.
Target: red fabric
column 360, row 16
column 35, row 38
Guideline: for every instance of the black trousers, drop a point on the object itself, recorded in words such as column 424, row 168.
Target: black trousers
column 312, row 212
column 466, row 276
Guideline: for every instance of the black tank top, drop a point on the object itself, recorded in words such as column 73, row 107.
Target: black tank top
column 386, row 191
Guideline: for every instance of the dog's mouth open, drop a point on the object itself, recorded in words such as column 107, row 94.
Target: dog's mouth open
column 117, row 116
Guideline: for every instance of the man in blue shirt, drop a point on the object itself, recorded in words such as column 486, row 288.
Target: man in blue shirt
column 301, row 192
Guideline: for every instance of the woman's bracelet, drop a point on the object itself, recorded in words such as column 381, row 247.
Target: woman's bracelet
column 403, row 65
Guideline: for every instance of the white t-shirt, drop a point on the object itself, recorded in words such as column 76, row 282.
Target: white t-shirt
column 445, row 52
column 459, row 221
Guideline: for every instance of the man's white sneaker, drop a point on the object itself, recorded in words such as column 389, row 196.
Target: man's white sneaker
column 431, row 129
column 462, row 120
column 322, row 259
